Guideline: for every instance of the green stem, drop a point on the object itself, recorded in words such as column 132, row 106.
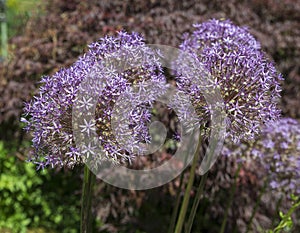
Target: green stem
column 286, row 218
column 256, row 205
column 229, row 204
column 199, row 191
column 4, row 39
column 86, row 202
column 177, row 204
column 278, row 204
column 178, row 199
column 196, row 203
column 186, row 196
column 3, row 32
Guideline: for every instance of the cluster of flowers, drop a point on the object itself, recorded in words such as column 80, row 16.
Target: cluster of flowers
column 51, row 110
column 247, row 81
column 277, row 150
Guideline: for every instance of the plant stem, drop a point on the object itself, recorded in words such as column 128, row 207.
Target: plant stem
column 256, row 205
column 233, row 188
column 186, row 196
column 286, row 219
column 196, row 203
column 86, row 201
column 178, row 199
column 177, row 204
column 3, row 33
column 199, row 193
column 278, row 204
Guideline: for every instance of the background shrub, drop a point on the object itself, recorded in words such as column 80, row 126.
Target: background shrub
column 31, row 199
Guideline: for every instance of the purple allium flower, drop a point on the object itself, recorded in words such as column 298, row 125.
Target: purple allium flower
column 247, row 80
column 281, row 161
column 50, row 111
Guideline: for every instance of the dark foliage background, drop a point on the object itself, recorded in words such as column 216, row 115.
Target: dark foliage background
column 56, row 37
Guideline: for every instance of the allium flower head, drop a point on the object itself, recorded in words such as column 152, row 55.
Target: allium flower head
column 219, row 31
column 247, row 80
column 50, row 111
column 277, row 149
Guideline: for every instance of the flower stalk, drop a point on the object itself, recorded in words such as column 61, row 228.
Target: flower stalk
column 233, row 189
column 86, row 201
column 177, row 205
column 196, row 203
column 186, row 197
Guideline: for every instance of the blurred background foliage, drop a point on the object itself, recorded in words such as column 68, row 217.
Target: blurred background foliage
column 47, row 35
column 19, row 12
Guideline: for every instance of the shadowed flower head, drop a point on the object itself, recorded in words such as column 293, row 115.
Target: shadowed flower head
column 279, row 152
column 247, row 80
column 277, row 149
column 50, row 111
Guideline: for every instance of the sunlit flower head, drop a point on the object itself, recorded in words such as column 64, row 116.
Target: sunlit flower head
column 247, row 80
column 49, row 114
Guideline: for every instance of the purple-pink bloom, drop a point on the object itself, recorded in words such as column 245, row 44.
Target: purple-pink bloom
column 49, row 114
column 247, row 80
column 281, row 161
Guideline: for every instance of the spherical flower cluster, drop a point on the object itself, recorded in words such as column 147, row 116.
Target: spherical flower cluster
column 110, row 67
column 277, row 150
column 247, row 81
column 219, row 31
